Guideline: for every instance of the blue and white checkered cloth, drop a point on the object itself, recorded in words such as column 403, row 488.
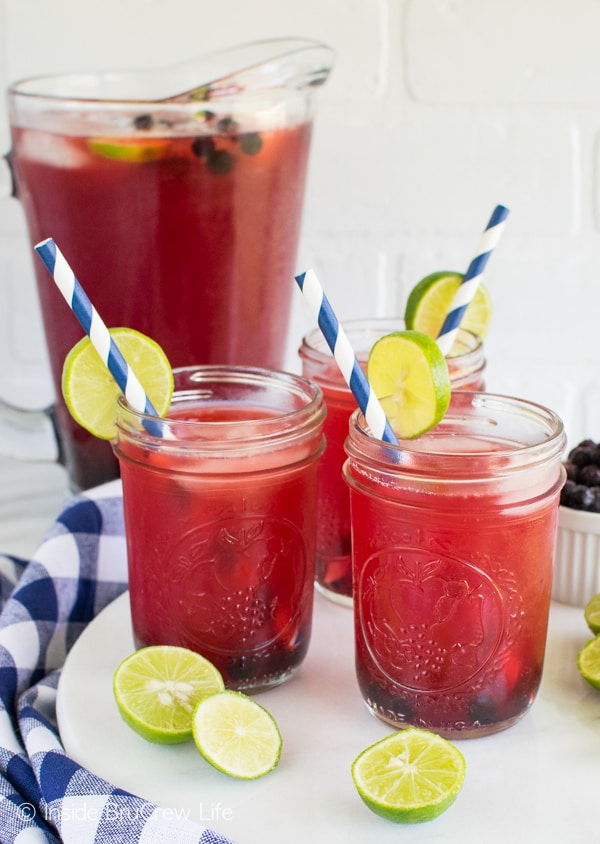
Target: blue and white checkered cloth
column 45, row 604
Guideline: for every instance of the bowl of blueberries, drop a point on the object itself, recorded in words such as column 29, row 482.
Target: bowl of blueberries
column 577, row 557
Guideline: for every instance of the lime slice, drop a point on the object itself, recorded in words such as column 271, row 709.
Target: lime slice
column 90, row 392
column 140, row 149
column 591, row 614
column 158, row 687
column 588, row 662
column 431, row 299
column 409, row 777
column 409, row 374
column 237, row 735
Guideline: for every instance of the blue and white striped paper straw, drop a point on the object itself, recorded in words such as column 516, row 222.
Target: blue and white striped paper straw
column 345, row 357
column 95, row 328
column 472, row 277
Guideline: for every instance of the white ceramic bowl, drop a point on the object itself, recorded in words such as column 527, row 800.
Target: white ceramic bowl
column 577, row 557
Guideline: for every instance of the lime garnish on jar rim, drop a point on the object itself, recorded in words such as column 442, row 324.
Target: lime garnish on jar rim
column 409, row 375
column 430, row 301
column 90, row 392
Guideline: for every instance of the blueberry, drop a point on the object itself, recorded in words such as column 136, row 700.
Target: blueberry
column 566, row 493
column 589, row 475
column 388, row 702
column 227, row 125
column 241, row 668
column 595, row 503
column 143, row 121
column 584, row 453
column 203, row 147
column 572, row 470
column 220, row 161
column 501, row 701
column 251, row 143
column 578, row 496
column 585, row 443
column 483, row 709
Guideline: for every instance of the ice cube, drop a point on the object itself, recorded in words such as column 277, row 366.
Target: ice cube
column 51, row 149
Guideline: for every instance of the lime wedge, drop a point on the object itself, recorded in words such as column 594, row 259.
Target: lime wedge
column 157, row 688
column 409, row 777
column 237, row 735
column 431, row 299
column 588, row 662
column 409, row 374
column 591, row 614
column 140, row 149
column 90, row 392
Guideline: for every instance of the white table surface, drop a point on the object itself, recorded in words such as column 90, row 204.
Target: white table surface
column 536, row 782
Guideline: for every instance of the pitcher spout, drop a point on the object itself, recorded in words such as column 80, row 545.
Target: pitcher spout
column 291, row 63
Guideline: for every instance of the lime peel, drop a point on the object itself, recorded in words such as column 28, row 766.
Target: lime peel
column 591, row 614
column 411, row 776
column 588, row 662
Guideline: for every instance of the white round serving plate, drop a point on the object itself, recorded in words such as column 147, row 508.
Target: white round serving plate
column 523, row 784
column 577, row 557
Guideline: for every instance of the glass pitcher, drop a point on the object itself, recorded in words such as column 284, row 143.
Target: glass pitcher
column 176, row 196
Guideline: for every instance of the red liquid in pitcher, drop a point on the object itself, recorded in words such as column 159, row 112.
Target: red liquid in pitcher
column 189, row 240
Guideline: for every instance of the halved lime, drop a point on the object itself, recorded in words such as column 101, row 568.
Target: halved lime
column 430, row 300
column 136, row 149
column 409, row 777
column 90, row 392
column 409, row 374
column 237, row 735
column 588, row 662
column 591, row 614
column 157, row 689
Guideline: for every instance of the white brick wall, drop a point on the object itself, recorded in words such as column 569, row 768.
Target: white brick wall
column 436, row 111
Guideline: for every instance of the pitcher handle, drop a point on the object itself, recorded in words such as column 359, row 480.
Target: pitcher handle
column 25, row 434
column 29, row 434
column 8, row 184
